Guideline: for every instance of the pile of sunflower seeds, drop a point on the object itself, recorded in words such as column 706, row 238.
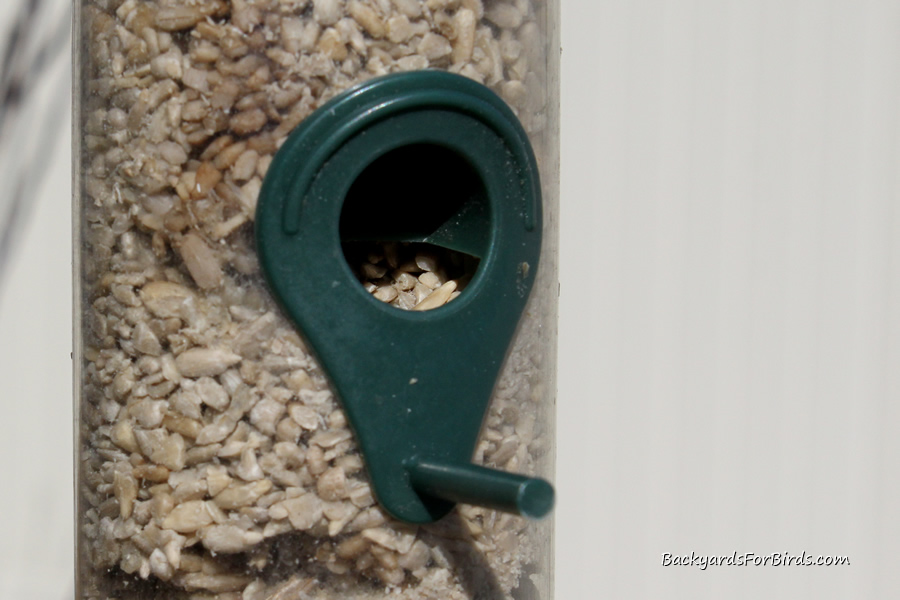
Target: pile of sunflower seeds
column 214, row 460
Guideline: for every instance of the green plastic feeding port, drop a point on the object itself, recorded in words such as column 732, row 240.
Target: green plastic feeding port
column 426, row 157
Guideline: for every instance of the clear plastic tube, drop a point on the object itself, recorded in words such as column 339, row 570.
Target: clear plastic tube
column 213, row 460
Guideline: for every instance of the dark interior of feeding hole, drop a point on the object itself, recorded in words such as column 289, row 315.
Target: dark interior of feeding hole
column 420, row 209
column 419, row 193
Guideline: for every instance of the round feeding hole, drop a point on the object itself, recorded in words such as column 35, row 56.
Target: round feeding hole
column 414, row 226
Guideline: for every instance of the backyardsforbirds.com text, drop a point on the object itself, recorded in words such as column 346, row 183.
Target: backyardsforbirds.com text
column 751, row 559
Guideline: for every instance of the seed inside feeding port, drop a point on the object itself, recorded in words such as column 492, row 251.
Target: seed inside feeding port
column 432, row 203
column 429, row 278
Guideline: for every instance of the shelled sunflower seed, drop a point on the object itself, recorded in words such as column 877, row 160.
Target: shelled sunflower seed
column 411, row 276
column 215, row 462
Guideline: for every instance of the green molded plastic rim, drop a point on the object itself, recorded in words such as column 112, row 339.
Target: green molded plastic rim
column 415, row 385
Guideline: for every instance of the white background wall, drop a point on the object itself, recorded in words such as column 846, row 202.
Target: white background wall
column 729, row 336
column 730, row 329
